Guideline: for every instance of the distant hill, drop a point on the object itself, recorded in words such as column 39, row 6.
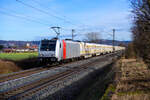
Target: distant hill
column 18, row 43
column 109, row 42
column 23, row 43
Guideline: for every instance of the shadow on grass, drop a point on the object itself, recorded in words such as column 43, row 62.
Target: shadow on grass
column 29, row 63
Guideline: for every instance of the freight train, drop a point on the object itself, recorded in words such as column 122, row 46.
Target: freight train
column 57, row 50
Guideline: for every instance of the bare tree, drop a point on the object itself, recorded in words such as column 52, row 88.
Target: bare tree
column 141, row 28
column 92, row 37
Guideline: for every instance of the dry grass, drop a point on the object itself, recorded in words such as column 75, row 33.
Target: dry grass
column 134, row 82
column 132, row 97
column 8, row 67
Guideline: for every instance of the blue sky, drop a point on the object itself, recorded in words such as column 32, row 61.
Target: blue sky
column 19, row 22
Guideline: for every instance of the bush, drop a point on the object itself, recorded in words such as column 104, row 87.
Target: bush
column 130, row 52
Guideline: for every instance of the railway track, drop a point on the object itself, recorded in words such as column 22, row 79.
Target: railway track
column 20, row 74
column 27, row 90
column 28, row 72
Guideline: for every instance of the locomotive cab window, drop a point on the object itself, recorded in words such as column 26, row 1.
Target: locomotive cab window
column 48, row 45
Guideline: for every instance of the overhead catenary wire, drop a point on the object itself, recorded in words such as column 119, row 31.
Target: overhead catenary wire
column 23, row 17
column 27, row 18
column 64, row 17
column 37, row 21
column 10, row 11
column 45, row 12
column 35, row 1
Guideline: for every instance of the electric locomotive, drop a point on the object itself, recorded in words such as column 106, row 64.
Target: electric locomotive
column 58, row 50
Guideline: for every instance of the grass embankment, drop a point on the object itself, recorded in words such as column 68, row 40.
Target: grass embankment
column 133, row 83
column 13, row 62
column 108, row 93
column 17, row 56
column 8, row 67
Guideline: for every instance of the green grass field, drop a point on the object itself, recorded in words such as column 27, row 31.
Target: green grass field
column 17, row 56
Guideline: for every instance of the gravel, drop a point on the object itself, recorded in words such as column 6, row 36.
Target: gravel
column 5, row 86
column 11, row 84
column 51, row 90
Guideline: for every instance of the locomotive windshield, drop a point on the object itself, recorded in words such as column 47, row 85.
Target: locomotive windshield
column 48, row 45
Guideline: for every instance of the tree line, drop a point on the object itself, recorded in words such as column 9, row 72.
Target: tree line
column 141, row 29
